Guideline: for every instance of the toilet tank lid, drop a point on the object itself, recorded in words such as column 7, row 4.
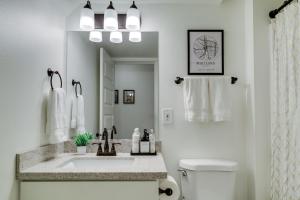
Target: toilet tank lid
column 208, row 165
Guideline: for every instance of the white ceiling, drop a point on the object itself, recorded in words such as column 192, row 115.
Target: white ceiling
column 147, row 48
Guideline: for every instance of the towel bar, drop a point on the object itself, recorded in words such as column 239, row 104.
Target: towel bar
column 179, row 80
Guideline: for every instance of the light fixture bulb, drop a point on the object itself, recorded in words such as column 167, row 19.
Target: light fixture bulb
column 116, row 37
column 133, row 22
column 110, row 18
column 96, row 36
column 135, row 36
column 87, row 18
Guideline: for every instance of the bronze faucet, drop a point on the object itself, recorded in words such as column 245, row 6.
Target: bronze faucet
column 105, row 151
column 113, row 131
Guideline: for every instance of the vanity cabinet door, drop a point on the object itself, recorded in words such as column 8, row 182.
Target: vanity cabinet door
column 103, row 190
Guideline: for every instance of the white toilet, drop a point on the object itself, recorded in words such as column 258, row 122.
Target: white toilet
column 207, row 179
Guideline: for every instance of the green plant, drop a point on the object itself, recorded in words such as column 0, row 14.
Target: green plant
column 83, row 139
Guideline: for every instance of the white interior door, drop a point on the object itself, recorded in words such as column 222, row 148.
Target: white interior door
column 107, row 87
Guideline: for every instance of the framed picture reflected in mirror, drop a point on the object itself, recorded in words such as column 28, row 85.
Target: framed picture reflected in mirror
column 116, row 96
column 128, row 96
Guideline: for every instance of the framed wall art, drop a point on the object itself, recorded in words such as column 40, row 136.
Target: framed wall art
column 205, row 52
column 128, row 96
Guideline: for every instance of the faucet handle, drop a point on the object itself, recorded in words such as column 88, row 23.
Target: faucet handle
column 113, row 149
column 99, row 148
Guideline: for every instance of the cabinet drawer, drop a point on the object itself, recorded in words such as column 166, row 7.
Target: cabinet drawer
column 88, row 190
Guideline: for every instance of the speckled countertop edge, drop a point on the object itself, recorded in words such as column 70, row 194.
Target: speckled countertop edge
column 144, row 168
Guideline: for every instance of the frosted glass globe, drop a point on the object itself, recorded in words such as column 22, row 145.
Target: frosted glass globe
column 116, row 37
column 135, row 36
column 133, row 22
column 87, row 20
column 110, row 20
column 96, row 36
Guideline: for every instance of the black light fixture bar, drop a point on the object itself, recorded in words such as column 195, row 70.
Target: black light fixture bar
column 99, row 21
column 273, row 13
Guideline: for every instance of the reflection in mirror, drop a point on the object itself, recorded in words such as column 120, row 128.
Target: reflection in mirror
column 119, row 82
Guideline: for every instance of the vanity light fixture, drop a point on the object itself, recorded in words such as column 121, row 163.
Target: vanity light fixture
column 116, row 37
column 133, row 22
column 96, row 36
column 87, row 17
column 110, row 18
column 135, row 36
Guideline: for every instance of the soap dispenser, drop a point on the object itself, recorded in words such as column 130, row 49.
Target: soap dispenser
column 145, row 144
column 135, row 148
column 152, row 141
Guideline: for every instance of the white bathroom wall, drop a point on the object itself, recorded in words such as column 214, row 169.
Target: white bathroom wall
column 83, row 65
column 138, row 77
column 32, row 38
column 183, row 139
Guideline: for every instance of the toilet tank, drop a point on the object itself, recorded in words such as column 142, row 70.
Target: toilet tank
column 207, row 179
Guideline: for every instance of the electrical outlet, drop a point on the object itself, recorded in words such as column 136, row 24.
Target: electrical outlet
column 167, row 115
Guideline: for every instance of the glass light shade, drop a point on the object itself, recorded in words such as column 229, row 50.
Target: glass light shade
column 96, row 36
column 135, row 36
column 116, row 37
column 87, row 19
column 110, row 20
column 133, row 22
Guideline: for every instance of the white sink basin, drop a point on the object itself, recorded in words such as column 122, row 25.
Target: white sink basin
column 95, row 163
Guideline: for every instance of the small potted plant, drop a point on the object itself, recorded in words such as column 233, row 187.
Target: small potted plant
column 81, row 140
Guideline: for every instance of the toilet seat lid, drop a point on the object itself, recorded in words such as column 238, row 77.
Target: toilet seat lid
column 208, row 165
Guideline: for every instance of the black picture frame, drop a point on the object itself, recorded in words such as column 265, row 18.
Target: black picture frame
column 116, row 96
column 220, row 65
column 128, row 96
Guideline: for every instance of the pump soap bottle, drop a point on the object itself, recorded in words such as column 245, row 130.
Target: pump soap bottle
column 145, row 144
column 135, row 148
column 152, row 141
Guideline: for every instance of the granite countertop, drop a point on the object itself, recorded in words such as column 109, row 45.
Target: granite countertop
column 142, row 168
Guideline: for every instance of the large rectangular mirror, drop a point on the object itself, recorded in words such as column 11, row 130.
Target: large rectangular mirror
column 119, row 82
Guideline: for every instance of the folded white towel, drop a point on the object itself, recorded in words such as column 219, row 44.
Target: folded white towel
column 77, row 114
column 80, row 115
column 220, row 98
column 74, row 113
column 56, row 116
column 196, row 99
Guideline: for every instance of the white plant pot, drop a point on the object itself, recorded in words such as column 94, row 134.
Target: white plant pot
column 81, row 150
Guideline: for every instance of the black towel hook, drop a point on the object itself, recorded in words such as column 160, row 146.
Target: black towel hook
column 75, row 84
column 50, row 73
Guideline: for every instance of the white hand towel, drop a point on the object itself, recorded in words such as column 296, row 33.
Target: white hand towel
column 220, row 98
column 56, row 116
column 80, row 115
column 196, row 99
column 74, row 113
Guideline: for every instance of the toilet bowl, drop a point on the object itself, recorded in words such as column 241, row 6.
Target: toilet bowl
column 207, row 179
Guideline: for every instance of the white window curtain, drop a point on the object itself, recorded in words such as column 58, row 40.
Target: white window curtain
column 285, row 104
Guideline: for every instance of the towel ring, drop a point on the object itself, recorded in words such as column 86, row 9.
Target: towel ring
column 75, row 83
column 50, row 73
